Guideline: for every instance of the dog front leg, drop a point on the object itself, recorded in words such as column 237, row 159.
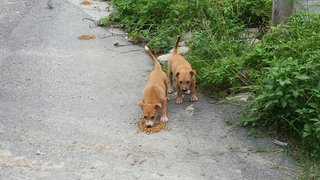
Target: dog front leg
column 179, row 94
column 170, row 84
column 164, row 117
column 193, row 96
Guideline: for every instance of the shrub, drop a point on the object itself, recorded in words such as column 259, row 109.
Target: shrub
column 287, row 80
column 158, row 22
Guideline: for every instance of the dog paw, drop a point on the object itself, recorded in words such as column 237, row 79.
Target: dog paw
column 170, row 90
column 179, row 100
column 193, row 98
column 164, row 119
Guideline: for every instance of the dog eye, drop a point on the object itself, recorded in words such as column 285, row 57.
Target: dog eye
column 180, row 82
column 152, row 117
column 188, row 82
column 145, row 117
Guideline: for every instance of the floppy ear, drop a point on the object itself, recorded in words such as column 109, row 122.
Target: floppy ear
column 192, row 73
column 177, row 74
column 158, row 105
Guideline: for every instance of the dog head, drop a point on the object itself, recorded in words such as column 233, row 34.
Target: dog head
column 184, row 79
column 149, row 113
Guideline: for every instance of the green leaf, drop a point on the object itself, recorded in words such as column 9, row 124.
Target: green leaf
column 103, row 21
column 295, row 94
column 302, row 77
column 284, row 104
column 306, row 130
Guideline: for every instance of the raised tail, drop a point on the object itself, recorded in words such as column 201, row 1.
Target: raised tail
column 154, row 59
column 175, row 47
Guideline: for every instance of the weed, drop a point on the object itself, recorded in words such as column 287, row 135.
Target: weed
column 309, row 169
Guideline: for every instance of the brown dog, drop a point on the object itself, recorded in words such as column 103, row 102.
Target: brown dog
column 154, row 94
column 185, row 75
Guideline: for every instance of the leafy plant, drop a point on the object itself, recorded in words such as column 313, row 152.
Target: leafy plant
column 103, row 22
column 287, row 86
column 158, row 22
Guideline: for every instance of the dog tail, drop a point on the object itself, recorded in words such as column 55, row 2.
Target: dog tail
column 154, row 59
column 175, row 47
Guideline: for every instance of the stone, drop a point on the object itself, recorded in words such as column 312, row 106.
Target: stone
column 163, row 59
column 253, row 41
column 181, row 50
column 243, row 97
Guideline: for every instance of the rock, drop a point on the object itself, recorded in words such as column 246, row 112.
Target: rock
column 182, row 50
column 280, row 143
column 251, row 35
column 253, row 41
column 182, row 43
column 252, row 32
column 243, row 97
column 187, row 35
column 38, row 152
column 190, row 110
column 163, row 59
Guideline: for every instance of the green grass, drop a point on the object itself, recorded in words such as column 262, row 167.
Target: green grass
column 309, row 169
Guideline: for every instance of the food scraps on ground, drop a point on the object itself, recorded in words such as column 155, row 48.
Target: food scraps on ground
column 158, row 126
column 86, row 37
column 86, row 2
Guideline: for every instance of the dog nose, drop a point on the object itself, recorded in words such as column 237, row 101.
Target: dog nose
column 148, row 126
column 185, row 90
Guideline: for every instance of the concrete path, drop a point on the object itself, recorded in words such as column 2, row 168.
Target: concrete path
column 68, row 110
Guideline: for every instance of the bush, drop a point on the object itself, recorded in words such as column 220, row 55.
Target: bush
column 158, row 22
column 287, row 80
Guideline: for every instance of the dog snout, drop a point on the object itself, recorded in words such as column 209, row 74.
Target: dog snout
column 149, row 124
column 185, row 90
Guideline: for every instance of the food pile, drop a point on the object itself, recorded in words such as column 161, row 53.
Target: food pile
column 158, row 126
column 86, row 37
column 86, row 2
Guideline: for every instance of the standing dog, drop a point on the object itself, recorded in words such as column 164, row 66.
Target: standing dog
column 154, row 94
column 185, row 75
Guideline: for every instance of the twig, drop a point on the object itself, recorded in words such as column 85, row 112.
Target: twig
column 102, row 37
column 125, row 51
column 89, row 19
column 117, row 34
column 112, row 34
column 121, row 45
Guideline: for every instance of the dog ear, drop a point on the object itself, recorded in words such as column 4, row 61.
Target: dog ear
column 158, row 105
column 177, row 74
column 192, row 73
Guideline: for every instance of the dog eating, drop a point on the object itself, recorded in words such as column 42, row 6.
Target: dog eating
column 154, row 97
